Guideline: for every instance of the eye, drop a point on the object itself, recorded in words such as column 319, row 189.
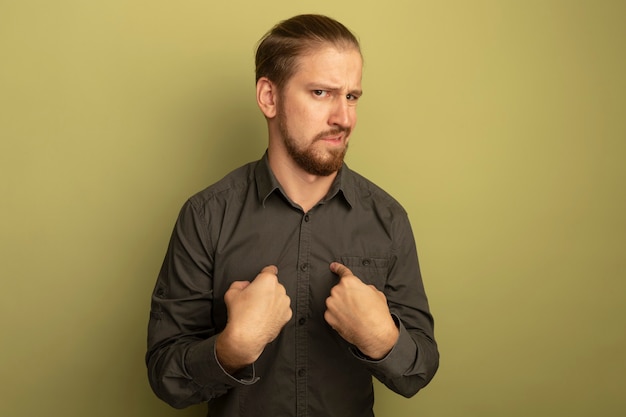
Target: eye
column 320, row 93
column 352, row 97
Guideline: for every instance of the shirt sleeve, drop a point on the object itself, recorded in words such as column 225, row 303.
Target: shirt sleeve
column 182, row 364
column 414, row 359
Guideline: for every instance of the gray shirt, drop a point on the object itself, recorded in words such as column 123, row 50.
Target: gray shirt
column 229, row 232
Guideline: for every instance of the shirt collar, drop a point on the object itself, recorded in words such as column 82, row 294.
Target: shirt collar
column 267, row 183
column 341, row 186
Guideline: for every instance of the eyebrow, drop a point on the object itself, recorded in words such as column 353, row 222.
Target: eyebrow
column 327, row 87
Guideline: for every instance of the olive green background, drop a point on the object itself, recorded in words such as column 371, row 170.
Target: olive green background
column 500, row 125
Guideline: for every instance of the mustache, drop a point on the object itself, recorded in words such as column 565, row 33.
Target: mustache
column 333, row 132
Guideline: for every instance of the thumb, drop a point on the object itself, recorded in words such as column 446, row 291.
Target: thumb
column 340, row 269
column 270, row 269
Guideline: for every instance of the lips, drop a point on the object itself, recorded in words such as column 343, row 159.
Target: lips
column 334, row 137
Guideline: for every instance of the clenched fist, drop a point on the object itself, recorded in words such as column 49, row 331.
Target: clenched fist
column 257, row 312
column 359, row 313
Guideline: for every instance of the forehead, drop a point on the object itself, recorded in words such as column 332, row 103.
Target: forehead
column 330, row 64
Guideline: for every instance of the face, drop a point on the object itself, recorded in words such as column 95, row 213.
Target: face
column 316, row 110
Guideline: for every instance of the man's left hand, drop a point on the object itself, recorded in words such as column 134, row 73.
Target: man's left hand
column 359, row 313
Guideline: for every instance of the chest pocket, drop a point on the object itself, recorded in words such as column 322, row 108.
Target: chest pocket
column 368, row 269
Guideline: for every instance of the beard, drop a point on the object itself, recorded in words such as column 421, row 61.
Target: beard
column 311, row 160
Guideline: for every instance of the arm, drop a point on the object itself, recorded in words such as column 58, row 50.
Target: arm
column 189, row 361
column 182, row 365
column 392, row 331
column 413, row 361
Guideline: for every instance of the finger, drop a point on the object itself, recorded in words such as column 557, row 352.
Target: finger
column 328, row 317
column 340, row 269
column 239, row 285
column 270, row 269
column 234, row 290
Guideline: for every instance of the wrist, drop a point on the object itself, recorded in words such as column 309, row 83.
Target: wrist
column 383, row 344
column 233, row 352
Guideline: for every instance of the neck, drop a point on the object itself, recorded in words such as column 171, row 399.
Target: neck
column 302, row 188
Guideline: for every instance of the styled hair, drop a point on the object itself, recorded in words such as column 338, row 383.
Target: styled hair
column 280, row 48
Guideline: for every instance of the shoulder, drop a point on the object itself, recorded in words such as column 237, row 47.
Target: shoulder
column 232, row 187
column 367, row 195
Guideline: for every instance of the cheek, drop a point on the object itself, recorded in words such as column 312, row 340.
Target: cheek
column 353, row 118
column 310, row 123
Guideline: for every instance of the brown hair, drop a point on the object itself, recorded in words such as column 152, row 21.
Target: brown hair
column 279, row 49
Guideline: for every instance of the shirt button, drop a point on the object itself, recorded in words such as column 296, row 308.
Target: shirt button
column 301, row 372
column 304, row 267
column 301, row 321
column 365, row 262
column 306, row 218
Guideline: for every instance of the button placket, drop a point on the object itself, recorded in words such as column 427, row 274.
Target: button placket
column 302, row 308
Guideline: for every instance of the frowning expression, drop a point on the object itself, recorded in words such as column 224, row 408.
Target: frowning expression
column 316, row 110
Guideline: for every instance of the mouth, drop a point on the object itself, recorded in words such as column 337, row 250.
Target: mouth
column 334, row 138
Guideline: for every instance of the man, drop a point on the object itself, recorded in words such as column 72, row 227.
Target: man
column 291, row 282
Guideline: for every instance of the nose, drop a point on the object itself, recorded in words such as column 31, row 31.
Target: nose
column 342, row 114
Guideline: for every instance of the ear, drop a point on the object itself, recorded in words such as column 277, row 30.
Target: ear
column 266, row 96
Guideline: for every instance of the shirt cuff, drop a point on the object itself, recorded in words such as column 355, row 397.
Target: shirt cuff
column 202, row 365
column 399, row 358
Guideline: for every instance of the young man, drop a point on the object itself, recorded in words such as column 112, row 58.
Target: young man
column 291, row 282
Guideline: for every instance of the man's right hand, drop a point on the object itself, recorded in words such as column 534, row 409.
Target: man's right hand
column 257, row 312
